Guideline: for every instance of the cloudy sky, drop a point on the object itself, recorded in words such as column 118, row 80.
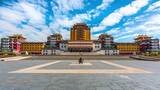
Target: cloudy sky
column 36, row 19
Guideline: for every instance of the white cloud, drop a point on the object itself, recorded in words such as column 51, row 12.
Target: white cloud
column 104, row 4
column 148, row 25
column 101, row 7
column 66, row 5
column 95, row 36
column 128, row 10
column 65, row 22
column 8, row 27
column 114, row 31
column 130, row 36
column 154, row 6
column 32, row 13
column 62, row 21
column 153, row 25
column 10, row 15
column 94, row 29
column 29, row 32
column 68, row 22
column 111, row 19
column 65, row 34
column 33, row 35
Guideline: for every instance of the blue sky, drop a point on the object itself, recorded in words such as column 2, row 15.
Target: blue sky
column 36, row 19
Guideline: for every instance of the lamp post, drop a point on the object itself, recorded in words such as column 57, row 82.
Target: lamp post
column 54, row 50
column 105, row 51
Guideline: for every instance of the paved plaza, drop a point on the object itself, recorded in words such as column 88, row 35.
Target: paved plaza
column 69, row 75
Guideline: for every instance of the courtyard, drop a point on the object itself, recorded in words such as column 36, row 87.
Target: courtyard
column 64, row 74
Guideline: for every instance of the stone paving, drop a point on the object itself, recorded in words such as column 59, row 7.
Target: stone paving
column 75, row 65
column 78, row 80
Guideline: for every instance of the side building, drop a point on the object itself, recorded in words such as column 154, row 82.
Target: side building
column 144, row 42
column 52, row 44
column 11, row 44
column 154, row 45
column 108, row 44
column 6, row 45
column 32, row 48
column 147, row 44
column 15, row 43
column 128, row 48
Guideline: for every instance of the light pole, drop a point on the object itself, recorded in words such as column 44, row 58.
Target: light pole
column 105, row 51
column 54, row 50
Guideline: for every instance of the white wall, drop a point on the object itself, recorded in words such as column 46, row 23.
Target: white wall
column 63, row 46
column 96, row 46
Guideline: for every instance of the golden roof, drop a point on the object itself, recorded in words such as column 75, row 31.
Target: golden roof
column 142, row 37
column 105, row 35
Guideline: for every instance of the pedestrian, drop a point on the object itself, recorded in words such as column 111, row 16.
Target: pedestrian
column 80, row 61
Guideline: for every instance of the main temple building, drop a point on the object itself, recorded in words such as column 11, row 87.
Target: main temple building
column 80, row 38
column 80, row 41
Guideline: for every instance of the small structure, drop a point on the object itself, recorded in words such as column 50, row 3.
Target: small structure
column 112, row 52
column 63, row 45
column 26, row 53
column 48, row 51
column 96, row 45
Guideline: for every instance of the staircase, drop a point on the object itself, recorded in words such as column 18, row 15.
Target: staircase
column 80, row 53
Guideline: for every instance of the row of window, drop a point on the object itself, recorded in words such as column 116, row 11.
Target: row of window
column 97, row 46
column 32, row 48
column 128, row 48
column 63, row 46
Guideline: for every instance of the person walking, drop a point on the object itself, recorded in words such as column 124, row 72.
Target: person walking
column 80, row 60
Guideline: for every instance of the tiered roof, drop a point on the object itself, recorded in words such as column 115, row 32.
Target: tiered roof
column 142, row 37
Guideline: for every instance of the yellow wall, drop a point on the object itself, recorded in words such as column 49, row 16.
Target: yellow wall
column 32, row 47
column 128, row 47
column 76, row 30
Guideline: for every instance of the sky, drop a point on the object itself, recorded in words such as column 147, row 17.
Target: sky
column 36, row 19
